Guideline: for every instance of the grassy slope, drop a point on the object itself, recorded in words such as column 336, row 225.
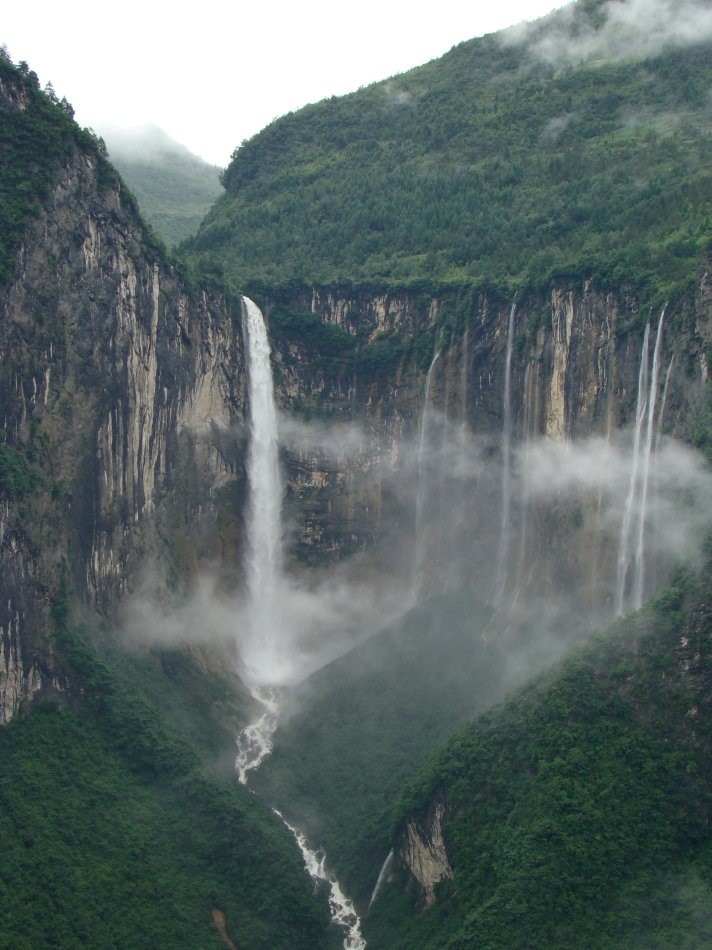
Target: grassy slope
column 482, row 166
column 579, row 811
column 122, row 826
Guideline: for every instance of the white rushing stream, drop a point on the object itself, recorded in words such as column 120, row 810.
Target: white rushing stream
column 254, row 743
column 342, row 910
column 263, row 570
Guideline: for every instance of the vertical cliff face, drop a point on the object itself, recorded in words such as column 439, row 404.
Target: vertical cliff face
column 576, row 353
column 421, row 849
column 118, row 390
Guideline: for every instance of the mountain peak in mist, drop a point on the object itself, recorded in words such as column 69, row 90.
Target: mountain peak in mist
column 145, row 143
column 175, row 188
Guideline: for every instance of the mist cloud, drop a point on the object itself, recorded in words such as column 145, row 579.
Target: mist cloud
column 628, row 29
column 567, row 504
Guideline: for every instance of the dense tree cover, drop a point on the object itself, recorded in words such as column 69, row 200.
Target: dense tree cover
column 16, row 476
column 174, row 188
column 358, row 729
column 122, row 824
column 484, row 165
column 578, row 812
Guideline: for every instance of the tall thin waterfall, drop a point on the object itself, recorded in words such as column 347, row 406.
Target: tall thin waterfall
column 422, row 488
column 500, row 582
column 263, row 567
column 639, row 581
column 628, row 511
column 631, row 590
column 381, row 878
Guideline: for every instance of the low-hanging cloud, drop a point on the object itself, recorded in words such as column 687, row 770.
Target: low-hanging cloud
column 627, row 29
column 562, row 532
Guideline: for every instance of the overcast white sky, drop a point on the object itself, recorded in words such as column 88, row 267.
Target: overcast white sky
column 213, row 73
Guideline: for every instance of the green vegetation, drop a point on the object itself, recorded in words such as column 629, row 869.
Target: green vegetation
column 578, row 812
column 365, row 724
column 122, row 823
column 174, row 188
column 34, row 140
column 485, row 165
column 16, row 476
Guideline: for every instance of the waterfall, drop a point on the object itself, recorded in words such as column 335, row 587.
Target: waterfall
column 500, row 582
column 639, row 582
column 628, row 511
column 381, row 878
column 631, row 591
column 263, row 563
column 263, row 570
column 661, row 414
column 424, row 464
column 464, row 392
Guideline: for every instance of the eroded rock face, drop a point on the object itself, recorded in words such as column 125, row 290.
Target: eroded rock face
column 121, row 391
column 421, row 850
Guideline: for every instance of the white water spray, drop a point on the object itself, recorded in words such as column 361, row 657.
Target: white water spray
column 639, row 583
column 626, row 524
column 381, row 879
column 631, row 592
column 424, row 463
column 263, row 567
column 500, row 582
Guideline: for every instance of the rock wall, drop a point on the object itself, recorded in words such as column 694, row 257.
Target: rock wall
column 121, row 391
column 420, row 849
column 576, row 353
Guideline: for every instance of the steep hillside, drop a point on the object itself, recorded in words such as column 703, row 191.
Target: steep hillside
column 174, row 188
column 501, row 164
column 122, row 821
column 577, row 814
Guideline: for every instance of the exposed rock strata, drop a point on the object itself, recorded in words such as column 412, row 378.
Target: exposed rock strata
column 421, row 850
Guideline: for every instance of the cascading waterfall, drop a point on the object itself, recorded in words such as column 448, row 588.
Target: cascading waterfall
column 421, row 496
column 263, row 567
column 254, row 743
column 263, row 570
column 342, row 910
column 500, row 582
column 630, row 591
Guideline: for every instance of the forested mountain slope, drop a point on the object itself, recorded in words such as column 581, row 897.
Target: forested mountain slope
column 496, row 164
column 174, row 188
column 577, row 813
